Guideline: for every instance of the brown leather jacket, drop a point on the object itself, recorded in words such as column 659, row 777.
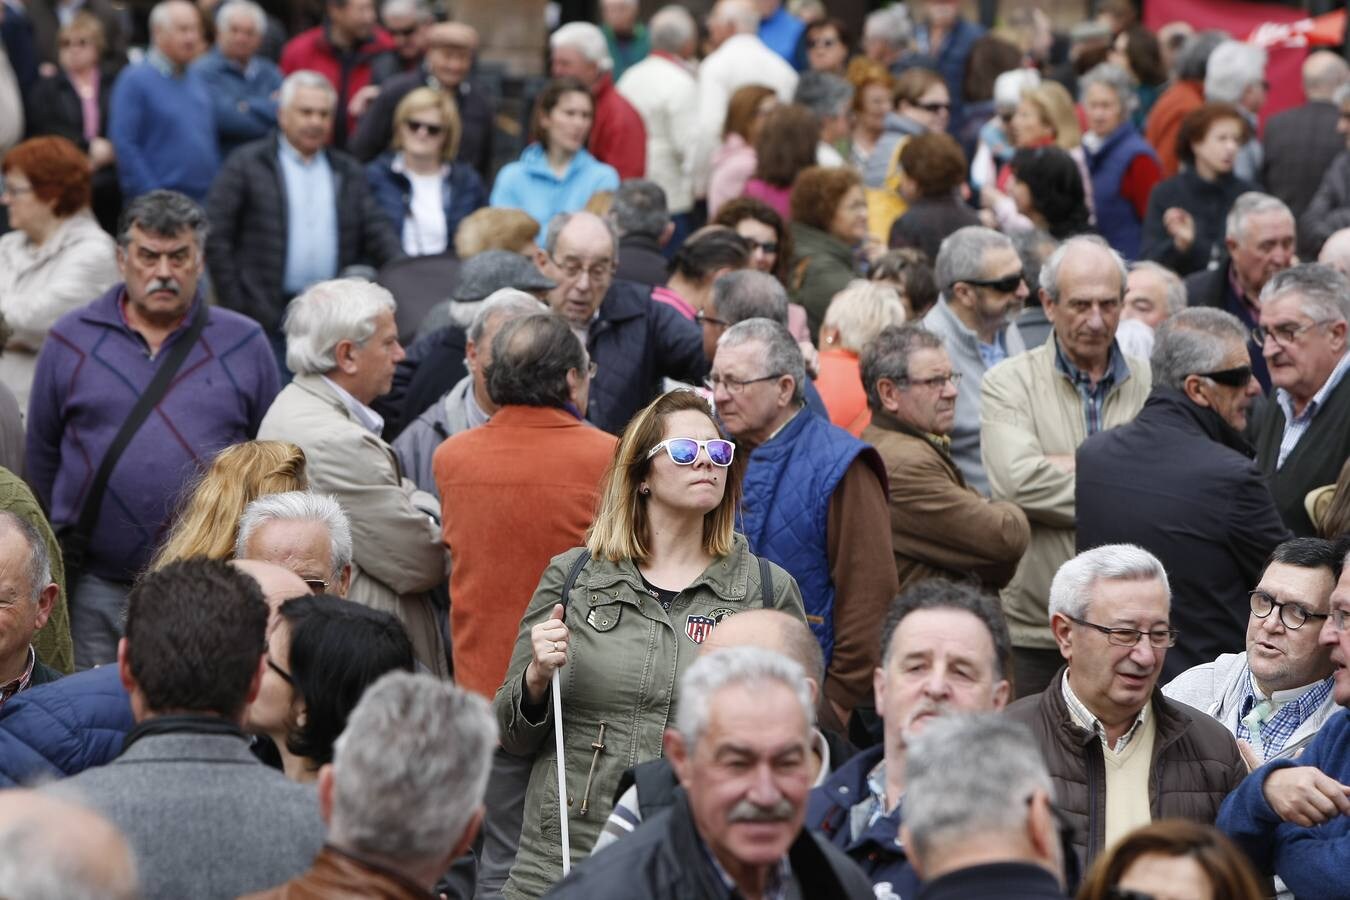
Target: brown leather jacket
column 340, row 875
column 1195, row 764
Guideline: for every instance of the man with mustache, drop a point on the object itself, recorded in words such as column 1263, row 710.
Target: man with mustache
column 944, row 649
column 90, row 374
column 1120, row 753
column 743, row 751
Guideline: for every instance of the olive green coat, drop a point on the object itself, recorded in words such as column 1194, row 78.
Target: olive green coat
column 822, row 266
column 625, row 656
column 52, row 642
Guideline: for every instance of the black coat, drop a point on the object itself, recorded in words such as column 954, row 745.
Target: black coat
column 376, row 128
column 1208, row 203
column 1212, row 287
column 246, row 248
column 1300, row 144
column 433, row 365
column 994, row 881
column 640, row 260
column 1181, row 483
column 1316, row 459
column 55, row 108
column 1329, row 209
column 929, row 221
column 665, row 860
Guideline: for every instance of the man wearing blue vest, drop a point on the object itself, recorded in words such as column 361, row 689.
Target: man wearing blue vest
column 814, row 501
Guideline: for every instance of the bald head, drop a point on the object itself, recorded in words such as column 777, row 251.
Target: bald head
column 1336, row 252
column 1323, row 73
column 453, row 34
column 54, row 849
column 278, row 584
column 771, row 629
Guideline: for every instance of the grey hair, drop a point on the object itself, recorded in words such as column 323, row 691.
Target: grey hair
column 1323, row 73
column 741, row 14
column 248, row 7
column 1342, row 95
column 1071, row 589
column 164, row 213
column 887, row 356
column 343, row 309
column 415, row 8
column 735, row 667
column 585, row 38
column 1193, row 59
column 531, row 357
column 1050, row 271
column 37, row 862
column 561, row 220
column 781, row 353
column 940, row 593
column 411, row 768
column 671, row 29
column 304, row 78
column 961, row 254
column 38, row 567
column 750, row 294
column 1324, row 292
column 892, row 25
column 1009, row 87
column 1114, row 77
column 640, row 208
column 824, row 93
column 1232, row 68
column 861, row 310
column 503, row 304
column 159, row 14
column 1251, row 203
column 299, row 506
column 1176, row 288
column 1193, row 342
column 954, row 794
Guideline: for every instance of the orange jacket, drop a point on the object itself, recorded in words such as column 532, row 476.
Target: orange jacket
column 1164, row 121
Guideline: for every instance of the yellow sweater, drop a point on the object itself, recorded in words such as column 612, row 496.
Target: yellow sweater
column 1127, row 780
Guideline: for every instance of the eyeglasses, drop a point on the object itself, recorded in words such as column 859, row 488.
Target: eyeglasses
column 316, row 586
column 1005, row 285
column 1159, row 638
column 571, row 268
column 1238, row 377
column 10, row 189
column 703, row 318
column 735, row 385
column 1336, row 619
column 430, row 129
column 1285, row 334
column 937, row 382
column 684, row 451
column 762, row 246
column 282, row 673
column 1292, row 615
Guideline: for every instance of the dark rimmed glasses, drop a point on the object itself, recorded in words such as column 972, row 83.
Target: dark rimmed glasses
column 1292, row 616
column 1158, row 638
column 684, row 451
column 735, row 385
column 1005, row 285
column 281, row 673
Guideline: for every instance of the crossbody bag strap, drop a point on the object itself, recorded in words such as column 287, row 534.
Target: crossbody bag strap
column 572, row 575
column 765, row 583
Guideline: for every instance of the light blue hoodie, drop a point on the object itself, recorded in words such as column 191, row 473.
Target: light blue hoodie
column 529, row 184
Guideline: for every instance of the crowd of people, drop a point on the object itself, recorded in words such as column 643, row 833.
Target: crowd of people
column 893, row 458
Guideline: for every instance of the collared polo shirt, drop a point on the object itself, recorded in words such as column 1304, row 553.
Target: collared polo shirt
column 1290, row 710
column 1084, row 718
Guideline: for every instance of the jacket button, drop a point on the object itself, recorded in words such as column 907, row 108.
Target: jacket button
column 843, row 790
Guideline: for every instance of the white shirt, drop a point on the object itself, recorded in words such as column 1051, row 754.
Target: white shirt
column 424, row 231
column 666, row 96
column 369, row 418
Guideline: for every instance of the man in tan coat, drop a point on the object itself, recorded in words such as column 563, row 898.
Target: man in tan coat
column 1036, row 409
column 939, row 525
column 342, row 343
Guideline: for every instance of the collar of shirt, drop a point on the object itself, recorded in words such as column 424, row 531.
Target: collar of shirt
column 779, row 879
column 1116, row 368
column 20, row 683
column 369, row 418
column 866, row 812
column 786, row 423
column 1084, row 718
column 163, row 64
column 287, row 152
column 400, row 166
column 1287, row 402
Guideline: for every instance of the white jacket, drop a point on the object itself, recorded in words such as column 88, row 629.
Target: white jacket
column 665, row 94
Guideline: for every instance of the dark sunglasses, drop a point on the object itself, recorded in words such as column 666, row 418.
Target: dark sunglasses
column 428, row 128
column 403, row 32
column 684, row 451
column 1116, row 893
column 1005, row 285
column 934, row 107
column 763, row 246
column 821, row 42
column 1238, row 377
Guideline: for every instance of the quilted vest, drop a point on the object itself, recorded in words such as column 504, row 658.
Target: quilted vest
column 1117, row 220
column 785, row 505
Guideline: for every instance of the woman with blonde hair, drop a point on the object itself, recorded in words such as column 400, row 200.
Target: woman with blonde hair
column 422, row 190
column 208, row 522
column 620, row 620
column 856, row 315
column 1045, row 117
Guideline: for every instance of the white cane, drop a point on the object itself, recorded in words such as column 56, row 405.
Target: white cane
column 562, row 774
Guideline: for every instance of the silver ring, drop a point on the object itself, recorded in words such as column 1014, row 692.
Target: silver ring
column 555, row 646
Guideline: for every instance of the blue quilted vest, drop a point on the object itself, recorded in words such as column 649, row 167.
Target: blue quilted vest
column 785, row 505
column 1117, row 220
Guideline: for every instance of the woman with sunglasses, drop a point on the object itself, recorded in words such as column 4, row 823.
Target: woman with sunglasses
column 661, row 567
column 556, row 173
column 1172, row 860
column 422, row 190
column 322, row 654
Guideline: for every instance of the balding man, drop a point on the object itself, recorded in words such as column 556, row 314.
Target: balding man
column 451, row 47
column 1301, row 142
column 649, row 788
column 52, row 848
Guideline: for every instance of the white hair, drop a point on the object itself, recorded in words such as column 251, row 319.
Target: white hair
column 304, row 78
column 1174, row 287
column 299, row 506
column 1009, row 86
column 38, row 566
column 411, row 768
column 735, row 667
column 672, row 28
column 740, row 14
column 892, row 25
column 1071, row 589
column 1233, row 67
column 861, row 310
column 343, row 309
column 586, row 39
column 1117, row 79
column 1251, row 203
column 414, row 8
column 160, row 13
column 246, row 7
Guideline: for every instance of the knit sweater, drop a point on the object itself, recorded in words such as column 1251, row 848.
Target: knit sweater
column 163, row 130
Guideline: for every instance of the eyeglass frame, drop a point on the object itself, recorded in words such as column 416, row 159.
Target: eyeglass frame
column 311, row 582
column 735, row 386
column 1113, row 633
column 936, row 383
column 1281, row 607
column 703, row 318
column 1236, row 377
column 281, row 673
column 702, row 450
column 1336, row 620
column 997, row 284
column 1259, row 333
column 594, row 272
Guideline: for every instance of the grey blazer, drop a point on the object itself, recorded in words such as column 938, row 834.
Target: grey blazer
column 204, row 817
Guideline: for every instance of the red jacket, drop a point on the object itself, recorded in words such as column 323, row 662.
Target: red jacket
column 348, row 71
column 618, row 136
column 1164, row 121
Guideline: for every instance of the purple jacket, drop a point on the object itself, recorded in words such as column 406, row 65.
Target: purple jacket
column 90, row 372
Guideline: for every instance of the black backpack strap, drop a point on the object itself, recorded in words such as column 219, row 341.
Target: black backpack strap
column 572, row 575
column 656, row 784
column 765, row 583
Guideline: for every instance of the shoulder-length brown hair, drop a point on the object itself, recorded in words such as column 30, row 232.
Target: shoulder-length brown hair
column 786, row 144
column 742, row 109
column 817, row 193
column 621, row 529
column 736, row 211
column 1230, row 875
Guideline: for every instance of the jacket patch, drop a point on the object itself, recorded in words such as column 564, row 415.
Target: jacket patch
column 604, row 618
column 697, row 628
column 717, row 615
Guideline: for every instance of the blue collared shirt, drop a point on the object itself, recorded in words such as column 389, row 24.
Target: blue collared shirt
column 1295, row 426
column 1093, row 395
column 311, row 218
column 1291, row 709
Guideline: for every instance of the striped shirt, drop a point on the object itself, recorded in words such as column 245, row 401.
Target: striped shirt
column 1292, row 709
column 1084, row 718
column 1093, row 395
column 1296, row 425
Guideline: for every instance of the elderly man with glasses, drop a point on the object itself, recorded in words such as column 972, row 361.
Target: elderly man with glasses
column 306, row 533
column 1304, row 438
column 1121, row 754
column 1205, row 510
